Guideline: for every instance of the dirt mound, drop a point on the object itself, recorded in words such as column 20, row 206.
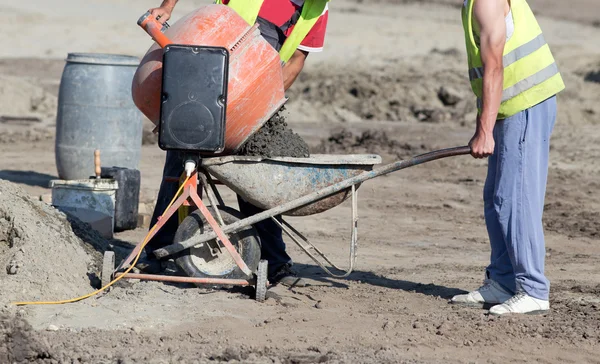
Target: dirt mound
column 369, row 141
column 12, row 135
column 569, row 220
column 275, row 139
column 40, row 254
column 27, row 111
column 593, row 76
column 19, row 342
column 428, row 90
column 19, row 97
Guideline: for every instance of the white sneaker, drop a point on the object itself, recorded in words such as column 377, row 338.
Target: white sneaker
column 490, row 293
column 522, row 303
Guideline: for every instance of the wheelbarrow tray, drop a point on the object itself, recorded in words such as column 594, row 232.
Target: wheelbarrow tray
column 271, row 182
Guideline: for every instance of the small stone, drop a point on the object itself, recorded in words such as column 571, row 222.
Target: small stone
column 389, row 325
column 416, row 325
column 52, row 328
column 449, row 96
column 319, row 305
column 46, row 198
column 136, row 329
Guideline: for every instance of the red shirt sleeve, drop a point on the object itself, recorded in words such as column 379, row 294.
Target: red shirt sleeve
column 315, row 39
column 279, row 11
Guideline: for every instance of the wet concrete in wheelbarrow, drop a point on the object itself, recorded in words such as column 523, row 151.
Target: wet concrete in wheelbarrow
column 275, row 139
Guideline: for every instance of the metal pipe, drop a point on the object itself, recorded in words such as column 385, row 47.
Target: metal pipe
column 155, row 29
column 317, row 195
column 178, row 279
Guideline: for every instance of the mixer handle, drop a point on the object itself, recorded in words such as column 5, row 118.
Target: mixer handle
column 155, row 29
column 97, row 164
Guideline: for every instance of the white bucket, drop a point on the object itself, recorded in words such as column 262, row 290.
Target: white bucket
column 86, row 194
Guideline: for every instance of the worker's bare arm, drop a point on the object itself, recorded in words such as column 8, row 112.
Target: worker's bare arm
column 489, row 14
column 293, row 67
column 163, row 13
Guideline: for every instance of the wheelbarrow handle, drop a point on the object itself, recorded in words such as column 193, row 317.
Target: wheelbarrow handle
column 317, row 195
column 442, row 153
column 155, row 29
column 414, row 161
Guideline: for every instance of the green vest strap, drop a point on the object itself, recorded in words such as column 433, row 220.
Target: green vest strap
column 311, row 12
column 247, row 9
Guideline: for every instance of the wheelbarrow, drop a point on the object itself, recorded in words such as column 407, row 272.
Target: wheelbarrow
column 217, row 245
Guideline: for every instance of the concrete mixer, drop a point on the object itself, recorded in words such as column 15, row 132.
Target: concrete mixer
column 224, row 76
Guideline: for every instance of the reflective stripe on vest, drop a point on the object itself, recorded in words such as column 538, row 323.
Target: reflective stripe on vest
column 530, row 72
column 311, row 12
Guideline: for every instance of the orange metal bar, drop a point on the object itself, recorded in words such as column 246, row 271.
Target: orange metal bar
column 177, row 279
column 153, row 28
column 159, row 224
column 220, row 234
column 190, row 191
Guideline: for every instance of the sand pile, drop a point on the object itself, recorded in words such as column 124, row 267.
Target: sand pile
column 27, row 111
column 343, row 141
column 19, row 343
column 433, row 89
column 41, row 257
column 19, row 97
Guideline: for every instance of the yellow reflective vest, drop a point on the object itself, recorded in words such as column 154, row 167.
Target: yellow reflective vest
column 530, row 72
column 311, row 11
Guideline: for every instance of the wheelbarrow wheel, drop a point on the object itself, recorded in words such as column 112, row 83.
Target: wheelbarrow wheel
column 108, row 267
column 261, row 281
column 212, row 260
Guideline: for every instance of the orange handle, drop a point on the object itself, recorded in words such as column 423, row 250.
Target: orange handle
column 97, row 163
column 154, row 29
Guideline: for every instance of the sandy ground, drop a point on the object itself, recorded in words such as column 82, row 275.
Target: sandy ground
column 422, row 236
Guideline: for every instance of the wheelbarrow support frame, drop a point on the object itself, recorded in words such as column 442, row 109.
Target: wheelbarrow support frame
column 310, row 198
column 190, row 192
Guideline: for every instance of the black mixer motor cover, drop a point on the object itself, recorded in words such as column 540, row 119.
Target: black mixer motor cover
column 194, row 98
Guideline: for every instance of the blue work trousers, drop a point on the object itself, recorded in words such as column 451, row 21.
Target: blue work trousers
column 513, row 197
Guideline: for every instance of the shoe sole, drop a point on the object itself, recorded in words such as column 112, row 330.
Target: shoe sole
column 485, row 305
column 296, row 282
column 533, row 313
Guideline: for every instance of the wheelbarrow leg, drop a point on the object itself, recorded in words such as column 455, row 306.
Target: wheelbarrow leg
column 309, row 247
column 261, row 281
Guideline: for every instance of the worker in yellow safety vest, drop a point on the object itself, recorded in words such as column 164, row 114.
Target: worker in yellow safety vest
column 515, row 80
column 294, row 28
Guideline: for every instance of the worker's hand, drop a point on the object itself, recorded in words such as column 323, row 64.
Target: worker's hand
column 482, row 144
column 161, row 14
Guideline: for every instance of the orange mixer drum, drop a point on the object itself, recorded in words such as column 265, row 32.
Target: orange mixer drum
column 255, row 87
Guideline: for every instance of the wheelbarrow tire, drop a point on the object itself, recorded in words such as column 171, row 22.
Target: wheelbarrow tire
column 198, row 261
column 108, row 268
column 261, row 281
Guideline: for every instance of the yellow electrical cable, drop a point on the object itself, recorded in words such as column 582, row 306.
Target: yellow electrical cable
column 116, row 279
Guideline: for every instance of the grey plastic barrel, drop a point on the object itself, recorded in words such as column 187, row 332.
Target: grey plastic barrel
column 96, row 111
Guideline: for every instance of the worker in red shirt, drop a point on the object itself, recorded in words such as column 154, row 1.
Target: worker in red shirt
column 277, row 20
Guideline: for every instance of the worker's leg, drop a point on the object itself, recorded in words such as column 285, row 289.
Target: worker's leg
column 272, row 244
column 173, row 168
column 500, row 269
column 529, row 247
column 520, row 191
